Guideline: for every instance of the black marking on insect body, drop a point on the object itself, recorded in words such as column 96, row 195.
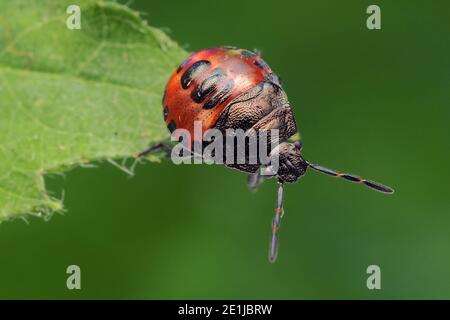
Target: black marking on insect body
column 171, row 126
column 208, row 85
column 165, row 112
column 184, row 63
column 248, row 54
column 193, row 72
column 220, row 96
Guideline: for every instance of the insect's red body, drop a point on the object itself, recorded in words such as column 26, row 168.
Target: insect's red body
column 236, row 71
column 231, row 88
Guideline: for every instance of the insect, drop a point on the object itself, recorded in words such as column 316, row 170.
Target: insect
column 232, row 88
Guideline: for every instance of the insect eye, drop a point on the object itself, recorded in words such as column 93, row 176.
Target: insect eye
column 298, row 145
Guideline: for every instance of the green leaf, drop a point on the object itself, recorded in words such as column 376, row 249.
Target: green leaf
column 70, row 97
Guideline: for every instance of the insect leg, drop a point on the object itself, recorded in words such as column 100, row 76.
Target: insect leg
column 273, row 246
column 254, row 180
column 155, row 147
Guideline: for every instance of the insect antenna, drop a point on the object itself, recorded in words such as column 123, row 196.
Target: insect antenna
column 353, row 178
column 273, row 246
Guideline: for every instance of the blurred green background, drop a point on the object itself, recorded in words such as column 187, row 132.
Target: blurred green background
column 372, row 102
